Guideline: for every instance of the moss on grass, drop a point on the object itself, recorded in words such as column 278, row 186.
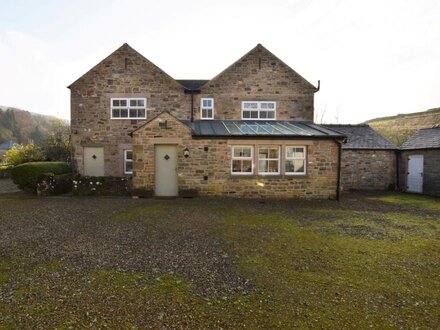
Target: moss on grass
column 141, row 212
column 423, row 202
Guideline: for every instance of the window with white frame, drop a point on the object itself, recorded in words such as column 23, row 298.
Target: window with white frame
column 295, row 163
column 128, row 161
column 269, row 160
column 128, row 108
column 242, row 160
column 207, row 108
column 258, row 110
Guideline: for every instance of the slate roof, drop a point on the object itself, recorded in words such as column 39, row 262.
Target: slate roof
column 261, row 128
column 7, row 145
column 192, row 84
column 362, row 137
column 425, row 138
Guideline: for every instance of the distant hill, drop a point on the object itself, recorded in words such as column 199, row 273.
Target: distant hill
column 399, row 128
column 23, row 126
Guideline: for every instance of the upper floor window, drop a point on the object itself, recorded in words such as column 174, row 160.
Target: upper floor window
column 128, row 108
column 207, row 109
column 258, row 110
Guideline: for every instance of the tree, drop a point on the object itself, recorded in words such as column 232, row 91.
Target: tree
column 20, row 154
column 56, row 147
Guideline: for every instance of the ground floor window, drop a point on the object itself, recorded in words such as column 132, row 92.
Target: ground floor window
column 128, row 161
column 269, row 160
column 295, row 163
column 242, row 160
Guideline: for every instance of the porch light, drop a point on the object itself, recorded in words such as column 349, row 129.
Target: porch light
column 186, row 152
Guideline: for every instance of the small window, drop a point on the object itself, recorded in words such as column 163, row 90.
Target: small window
column 207, row 109
column 242, row 160
column 129, row 108
column 269, row 160
column 258, row 110
column 128, row 161
column 295, row 160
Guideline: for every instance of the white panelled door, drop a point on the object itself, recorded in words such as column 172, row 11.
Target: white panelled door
column 415, row 174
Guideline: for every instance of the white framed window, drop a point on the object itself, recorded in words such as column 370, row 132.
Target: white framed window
column 295, row 162
column 128, row 108
column 206, row 108
column 258, row 110
column 269, row 160
column 128, row 162
column 242, row 160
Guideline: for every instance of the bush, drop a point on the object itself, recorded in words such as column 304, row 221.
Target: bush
column 20, row 154
column 101, row 186
column 26, row 175
column 51, row 184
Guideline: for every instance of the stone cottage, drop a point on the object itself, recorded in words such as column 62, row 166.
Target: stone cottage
column 248, row 132
column 368, row 159
column 419, row 162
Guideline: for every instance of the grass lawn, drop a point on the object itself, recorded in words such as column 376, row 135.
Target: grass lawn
column 369, row 261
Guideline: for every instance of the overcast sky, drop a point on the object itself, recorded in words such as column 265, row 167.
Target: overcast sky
column 373, row 57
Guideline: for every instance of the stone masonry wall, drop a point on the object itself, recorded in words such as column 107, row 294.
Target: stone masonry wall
column 214, row 164
column 125, row 73
column 431, row 170
column 368, row 169
column 259, row 75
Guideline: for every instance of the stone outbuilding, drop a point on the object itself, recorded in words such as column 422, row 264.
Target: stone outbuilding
column 419, row 162
column 368, row 159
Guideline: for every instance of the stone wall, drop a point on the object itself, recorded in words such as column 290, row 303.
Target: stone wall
column 431, row 170
column 208, row 167
column 259, row 75
column 125, row 73
column 368, row 169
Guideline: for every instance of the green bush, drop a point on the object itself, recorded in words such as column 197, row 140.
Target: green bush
column 20, row 154
column 51, row 184
column 26, row 175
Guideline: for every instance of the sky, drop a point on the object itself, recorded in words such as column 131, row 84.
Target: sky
column 374, row 58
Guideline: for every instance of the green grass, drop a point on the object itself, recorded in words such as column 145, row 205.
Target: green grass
column 324, row 265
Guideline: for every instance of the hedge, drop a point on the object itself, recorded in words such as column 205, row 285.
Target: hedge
column 51, row 184
column 101, row 186
column 26, row 175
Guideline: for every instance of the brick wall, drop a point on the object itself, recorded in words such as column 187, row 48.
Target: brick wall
column 431, row 170
column 125, row 73
column 368, row 169
column 259, row 75
column 215, row 163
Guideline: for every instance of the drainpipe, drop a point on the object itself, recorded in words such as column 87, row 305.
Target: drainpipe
column 398, row 170
column 192, row 107
column 317, row 88
column 338, row 182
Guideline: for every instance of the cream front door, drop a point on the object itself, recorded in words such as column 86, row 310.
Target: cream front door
column 166, row 170
column 93, row 161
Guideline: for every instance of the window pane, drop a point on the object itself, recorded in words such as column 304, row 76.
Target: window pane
column 133, row 113
column 271, row 105
column 115, row 113
column 129, row 154
column 254, row 114
column 123, row 103
column 273, row 166
column 299, row 152
column 263, row 166
column 299, row 166
column 289, row 166
column 133, row 103
column 141, row 113
column 273, row 153
column 263, row 114
column 247, row 166
column 141, row 103
column 204, row 113
column 128, row 167
column 246, row 114
column 263, row 153
column 289, row 152
column 236, row 165
column 263, row 105
column 271, row 114
column 207, row 103
column 116, row 103
column 210, row 113
column 124, row 113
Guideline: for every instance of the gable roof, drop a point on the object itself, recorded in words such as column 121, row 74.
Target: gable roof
column 258, row 47
column 124, row 47
column 260, row 128
column 362, row 137
column 7, row 145
column 425, row 138
column 192, row 84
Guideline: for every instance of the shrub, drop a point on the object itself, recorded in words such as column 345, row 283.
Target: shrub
column 101, row 186
column 20, row 154
column 26, row 175
column 51, row 184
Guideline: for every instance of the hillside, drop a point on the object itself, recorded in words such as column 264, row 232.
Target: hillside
column 399, row 128
column 23, row 126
